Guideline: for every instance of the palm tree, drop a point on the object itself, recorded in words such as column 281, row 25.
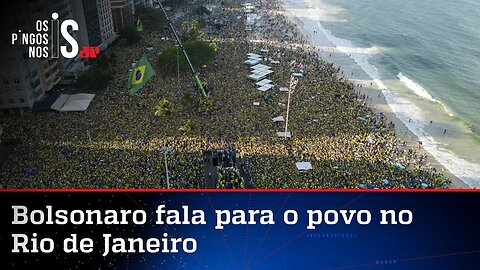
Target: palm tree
column 188, row 126
column 188, row 100
column 163, row 108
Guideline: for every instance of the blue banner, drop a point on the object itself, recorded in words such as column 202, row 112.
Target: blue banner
column 246, row 230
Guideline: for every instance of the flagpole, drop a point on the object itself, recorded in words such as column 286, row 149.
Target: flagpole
column 165, row 150
column 288, row 104
column 195, row 74
column 178, row 69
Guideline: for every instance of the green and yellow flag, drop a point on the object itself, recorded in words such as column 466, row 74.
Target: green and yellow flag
column 142, row 72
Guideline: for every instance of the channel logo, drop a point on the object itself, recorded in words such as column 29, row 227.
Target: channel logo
column 39, row 45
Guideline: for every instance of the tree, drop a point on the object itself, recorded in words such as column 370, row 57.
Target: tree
column 200, row 53
column 98, row 76
column 195, row 26
column 130, row 34
column 163, row 108
column 188, row 126
column 188, row 100
column 191, row 30
column 94, row 79
column 152, row 19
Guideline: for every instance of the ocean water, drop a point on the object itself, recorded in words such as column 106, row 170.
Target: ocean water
column 423, row 55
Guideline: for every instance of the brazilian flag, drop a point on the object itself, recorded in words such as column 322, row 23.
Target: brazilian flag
column 139, row 26
column 142, row 72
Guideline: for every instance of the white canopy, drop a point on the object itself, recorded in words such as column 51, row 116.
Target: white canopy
column 263, row 82
column 265, row 87
column 297, row 74
column 257, row 77
column 283, row 89
column 264, row 72
column 278, row 119
column 260, row 67
column 252, row 62
column 253, row 55
column 304, row 166
column 59, row 102
column 282, row 134
column 256, row 103
column 72, row 103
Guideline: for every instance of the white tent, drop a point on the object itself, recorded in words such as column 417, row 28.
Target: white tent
column 260, row 67
column 304, row 166
column 274, row 61
column 255, row 58
column 257, row 77
column 278, row 119
column 283, row 89
column 297, row 74
column 263, row 82
column 59, row 102
column 72, row 103
column 252, row 62
column 253, row 55
column 266, row 87
column 263, row 72
column 282, row 134
column 256, row 103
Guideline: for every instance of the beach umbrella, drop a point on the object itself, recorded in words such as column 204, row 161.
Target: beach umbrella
column 424, row 185
column 385, row 181
column 361, row 185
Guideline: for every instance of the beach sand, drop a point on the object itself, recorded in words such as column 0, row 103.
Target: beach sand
column 376, row 100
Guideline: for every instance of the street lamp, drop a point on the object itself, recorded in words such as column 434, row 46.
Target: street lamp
column 293, row 84
column 164, row 151
column 88, row 136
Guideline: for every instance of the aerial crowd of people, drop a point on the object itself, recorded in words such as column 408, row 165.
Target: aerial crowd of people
column 117, row 142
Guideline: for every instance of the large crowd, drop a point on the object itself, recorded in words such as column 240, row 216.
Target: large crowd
column 116, row 143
